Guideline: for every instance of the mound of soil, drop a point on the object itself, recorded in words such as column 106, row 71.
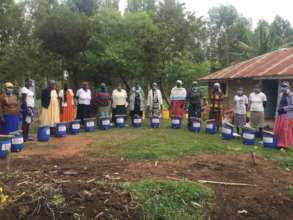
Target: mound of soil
column 40, row 198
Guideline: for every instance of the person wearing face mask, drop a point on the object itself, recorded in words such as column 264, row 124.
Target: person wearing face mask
column 84, row 97
column 283, row 125
column 136, row 101
column 216, row 104
column 154, row 102
column 178, row 98
column 9, row 110
column 50, row 113
column 194, row 98
column 119, row 102
column 240, row 106
column 103, row 101
column 257, row 103
column 67, row 106
column 27, row 107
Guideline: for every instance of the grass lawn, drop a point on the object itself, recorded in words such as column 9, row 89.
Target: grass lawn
column 168, row 144
column 171, row 200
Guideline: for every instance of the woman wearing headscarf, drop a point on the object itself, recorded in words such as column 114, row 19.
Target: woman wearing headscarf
column 50, row 114
column 27, row 107
column 177, row 98
column 66, row 97
column 240, row 106
column 257, row 102
column 155, row 102
column 136, row 101
column 283, row 128
column 194, row 97
column 216, row 104
column 119, row 102
column 84, row 97
column 9, row 110
column 103, row 101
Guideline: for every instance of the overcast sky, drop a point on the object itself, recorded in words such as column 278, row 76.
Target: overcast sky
column 254, row 9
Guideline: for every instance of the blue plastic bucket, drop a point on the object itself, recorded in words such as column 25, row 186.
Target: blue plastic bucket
column 194, row 125
column 248, row 136
column 120, row 121
column 211, row 127
column 269, row 140
column 5, row 146
column 16, row 142
column 61, row 129
column 137, row 121
column 105, row 123
column 155, row 122
column 44, row 134
column 176, row 122
column 90, row 124
column 227, row 131
column 74, row 127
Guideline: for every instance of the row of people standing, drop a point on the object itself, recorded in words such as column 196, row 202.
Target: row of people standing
column 102, row 99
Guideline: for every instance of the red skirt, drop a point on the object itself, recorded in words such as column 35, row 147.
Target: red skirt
column 283, row 130
column 177, row 108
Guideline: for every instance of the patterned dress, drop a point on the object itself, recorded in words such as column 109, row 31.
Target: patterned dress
column 216, row 106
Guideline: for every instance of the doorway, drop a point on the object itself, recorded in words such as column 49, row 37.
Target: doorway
column 270, row 88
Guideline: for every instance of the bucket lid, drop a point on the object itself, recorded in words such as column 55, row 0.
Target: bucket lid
column 89, row 118
column 61, row 123
column 104, row 118
column 249, row 128
column 120, row 116
column 195, row 119
column 269, row 132
column 75, row 121
column 44, row 126
column 19, row 132
column 229, row 124
column 6, row 137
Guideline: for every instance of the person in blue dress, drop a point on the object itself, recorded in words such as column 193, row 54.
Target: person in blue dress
column 9, row 110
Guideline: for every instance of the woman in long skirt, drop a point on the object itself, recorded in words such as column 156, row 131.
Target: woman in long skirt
column 50, row 114
column 216, row 104
column 283, row 128
column 9, row 110
column 240, row 107
column 178, row 98
column 66, row 96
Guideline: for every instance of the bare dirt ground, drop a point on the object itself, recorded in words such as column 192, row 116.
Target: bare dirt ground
column 63, row 168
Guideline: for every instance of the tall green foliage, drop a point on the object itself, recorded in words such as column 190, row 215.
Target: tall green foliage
column 151, row 41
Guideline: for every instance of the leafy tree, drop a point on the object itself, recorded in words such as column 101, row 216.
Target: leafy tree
column 227, row 29
column 87, row 7
column 141, row 5
column 110, row 4
column 281, row 32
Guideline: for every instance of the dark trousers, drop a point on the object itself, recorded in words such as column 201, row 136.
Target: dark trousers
column 194, row 110
column 25, row 130
column 83, row 111
column 119, row 110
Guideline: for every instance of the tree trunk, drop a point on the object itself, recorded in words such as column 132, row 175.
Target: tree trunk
column 164, row 94
column 125, row 82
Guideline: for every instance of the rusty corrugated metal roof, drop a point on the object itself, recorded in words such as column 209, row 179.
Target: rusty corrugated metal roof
column 278, row 63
